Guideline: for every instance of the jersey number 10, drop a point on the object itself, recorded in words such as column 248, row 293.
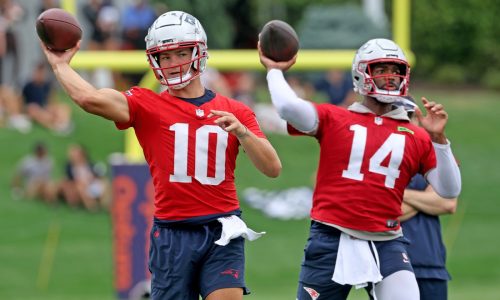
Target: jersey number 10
column 201, row 154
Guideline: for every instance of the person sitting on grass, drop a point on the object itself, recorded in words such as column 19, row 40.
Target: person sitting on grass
column 33, row 177
column 41, row 104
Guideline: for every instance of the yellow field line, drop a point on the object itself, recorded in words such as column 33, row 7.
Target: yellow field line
column 48, row 255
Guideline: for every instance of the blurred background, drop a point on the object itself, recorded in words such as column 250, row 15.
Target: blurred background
column 57, row 237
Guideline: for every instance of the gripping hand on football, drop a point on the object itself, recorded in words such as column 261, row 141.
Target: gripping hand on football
column 271, row 64
column 59, row 57
column 434, row 121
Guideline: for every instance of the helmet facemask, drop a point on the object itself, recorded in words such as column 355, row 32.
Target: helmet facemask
column 194, row 69
column 387, row 86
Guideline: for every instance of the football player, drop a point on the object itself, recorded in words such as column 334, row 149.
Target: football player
column 421, row 226
column 369, row 152
column 190, row 137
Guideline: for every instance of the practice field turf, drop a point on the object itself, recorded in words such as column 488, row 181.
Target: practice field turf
column 62, row 253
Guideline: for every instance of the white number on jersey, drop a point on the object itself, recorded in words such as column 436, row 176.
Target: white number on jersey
column 393, row 146
column 201, row 154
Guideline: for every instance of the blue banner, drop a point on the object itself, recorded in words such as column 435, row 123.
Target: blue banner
column 132, row 217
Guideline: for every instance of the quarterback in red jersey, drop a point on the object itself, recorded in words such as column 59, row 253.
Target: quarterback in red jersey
column 368, row 155
column 190, row 137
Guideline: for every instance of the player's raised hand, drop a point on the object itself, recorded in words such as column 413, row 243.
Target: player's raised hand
column 229, row 123
column 57, row 57
column 271, row 64
column 434, row 122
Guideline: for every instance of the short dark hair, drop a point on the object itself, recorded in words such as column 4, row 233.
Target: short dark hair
column 40, row 148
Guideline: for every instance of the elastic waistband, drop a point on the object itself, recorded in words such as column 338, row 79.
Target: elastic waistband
column 325, row 228
column 184, row 225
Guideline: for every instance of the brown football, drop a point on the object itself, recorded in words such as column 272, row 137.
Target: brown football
column 278, row 41
column 58, row 29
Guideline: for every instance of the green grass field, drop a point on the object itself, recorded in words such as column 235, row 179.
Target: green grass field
column 61, row 253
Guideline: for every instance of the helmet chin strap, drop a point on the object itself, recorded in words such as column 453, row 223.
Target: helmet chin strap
column 179, row 86
column 389, row 96
column 385, row 98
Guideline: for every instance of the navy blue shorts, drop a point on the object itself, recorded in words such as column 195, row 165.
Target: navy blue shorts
column 320, row 255
column 433, row 289
column 185, row 262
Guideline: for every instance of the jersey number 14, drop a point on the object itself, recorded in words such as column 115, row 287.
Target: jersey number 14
column 394, row 146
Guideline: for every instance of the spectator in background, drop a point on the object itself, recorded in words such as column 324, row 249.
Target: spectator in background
column 82, row 185
column 90, row 11
column 420, row 221
column 136, row 19
column 11, row 110
column 108, row 23
column 48, row 4
column 337, row 86
column 103, row 18
column 11, row 13
column 33, row 177
column 41, row 104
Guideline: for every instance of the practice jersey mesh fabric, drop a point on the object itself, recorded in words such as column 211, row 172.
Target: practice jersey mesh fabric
column 361, row 186
column 191, row 159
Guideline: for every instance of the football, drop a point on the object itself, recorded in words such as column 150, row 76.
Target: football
column 58, row 29
column 278, row 41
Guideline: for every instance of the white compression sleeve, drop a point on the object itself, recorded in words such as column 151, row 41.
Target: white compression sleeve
column 445, row 178
column 299, row 113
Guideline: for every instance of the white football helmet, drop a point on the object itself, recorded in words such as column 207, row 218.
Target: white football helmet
column 374, row 52
column 177, row 30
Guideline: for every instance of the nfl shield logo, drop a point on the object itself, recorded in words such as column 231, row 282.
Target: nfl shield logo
column 200, row 112
column 378, row 120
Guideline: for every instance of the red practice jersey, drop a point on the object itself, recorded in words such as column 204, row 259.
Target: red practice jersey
column 190, row 158
column 366, row 162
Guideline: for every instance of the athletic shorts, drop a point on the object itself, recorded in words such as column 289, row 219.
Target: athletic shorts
column 185, row 262
column 433, row 289
column 320, row 255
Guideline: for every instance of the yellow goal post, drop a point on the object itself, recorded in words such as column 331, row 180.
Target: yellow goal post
column 227, row 60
